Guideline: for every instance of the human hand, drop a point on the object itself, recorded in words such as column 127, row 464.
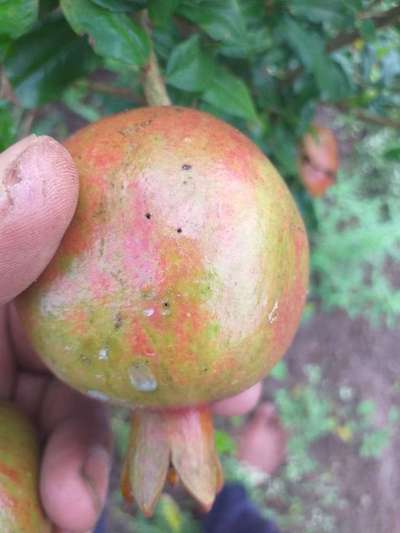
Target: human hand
column 38, row 194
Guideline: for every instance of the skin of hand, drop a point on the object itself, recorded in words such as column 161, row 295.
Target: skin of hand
column 38, row 195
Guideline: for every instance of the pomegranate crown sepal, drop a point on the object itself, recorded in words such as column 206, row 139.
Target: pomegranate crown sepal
column 179, row 439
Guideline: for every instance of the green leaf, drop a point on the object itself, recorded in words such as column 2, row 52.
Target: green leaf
column 189, row 67
column 17, row 16
column 231, row 95
column 112, row 35
column 41, row 64
column 334, row 12
column 310, row 47
column 8, row 128
column 279, row 372
column 119, row 5
column 237, row 24
column 367, row 30
column 171, row 513
column 74, row 98
column 392, row 153
column 4, row 45
column 165, row 39
column 332, row 80
column 366, row 408
column 375, row 443
column 224, row 442
column 161, row 11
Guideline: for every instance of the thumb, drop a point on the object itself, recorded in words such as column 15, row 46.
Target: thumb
column 38, row 196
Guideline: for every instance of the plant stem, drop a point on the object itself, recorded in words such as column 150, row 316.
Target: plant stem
column 368, row 118
column 153, row 83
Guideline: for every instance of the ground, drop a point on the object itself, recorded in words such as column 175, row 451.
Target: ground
column 366, row 359
column 353, row 356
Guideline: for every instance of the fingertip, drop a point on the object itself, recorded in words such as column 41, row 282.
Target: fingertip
column 75, row 474
column 239, row 404
column 38, row 197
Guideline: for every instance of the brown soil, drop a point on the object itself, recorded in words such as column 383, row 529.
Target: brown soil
column 352, row 353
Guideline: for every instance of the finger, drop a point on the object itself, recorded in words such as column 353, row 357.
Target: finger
column 77, row 458
column 27, row 358
column 239, row 404
column 75, row 473
column 38, row 195
column 30, row 389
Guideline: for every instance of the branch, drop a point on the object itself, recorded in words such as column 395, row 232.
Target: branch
column 153, row 83
column 386, row 18
column 6, row 91
column 104, row 88
column 369, row 119
column 26, row 123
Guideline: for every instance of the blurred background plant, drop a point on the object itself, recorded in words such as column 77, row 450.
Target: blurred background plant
column 274, row 69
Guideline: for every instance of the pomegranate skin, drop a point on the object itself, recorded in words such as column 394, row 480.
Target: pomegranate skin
column 20, row 509
column 182, row 277
column 319, row 160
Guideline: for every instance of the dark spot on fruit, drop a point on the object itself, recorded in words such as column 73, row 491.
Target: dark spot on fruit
column 166, row 305
column 186, row 166
column 179, row 230
column 102, row 243
column 118, row 321
column 148, row 215
column 185, row 182
column 131, row 130
column 84, row 359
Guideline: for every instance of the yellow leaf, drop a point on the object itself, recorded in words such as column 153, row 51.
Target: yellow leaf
column 344, row 433
column 171, row 512
column 359, row 44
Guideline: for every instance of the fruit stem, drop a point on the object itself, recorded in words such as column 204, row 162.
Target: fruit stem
column 166, row 442
column 153, row 82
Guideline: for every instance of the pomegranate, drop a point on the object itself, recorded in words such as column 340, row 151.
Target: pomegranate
column 319, row 160
column 180, row 281
column 19, row 474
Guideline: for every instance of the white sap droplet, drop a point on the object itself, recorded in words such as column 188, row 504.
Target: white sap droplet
column 166, row 311
column 96, row 395
column 148, row 312
column 103, row 353
column 273, row 314
column 142, row 378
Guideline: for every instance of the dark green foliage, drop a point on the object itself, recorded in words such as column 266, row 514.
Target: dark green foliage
column 17, row 16
column 8, row 126
column 41, row 64
column 266, row 66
